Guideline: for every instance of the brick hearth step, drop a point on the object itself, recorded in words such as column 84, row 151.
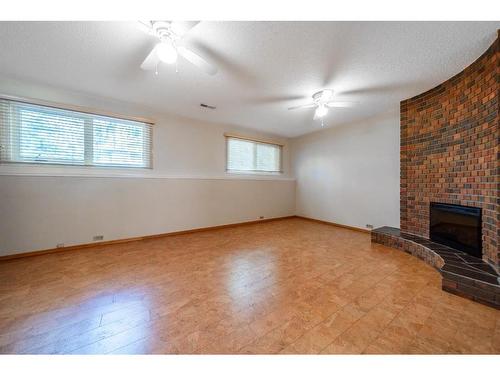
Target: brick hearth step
column 463, row 275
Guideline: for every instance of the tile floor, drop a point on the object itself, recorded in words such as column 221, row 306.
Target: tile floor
column 289, row 286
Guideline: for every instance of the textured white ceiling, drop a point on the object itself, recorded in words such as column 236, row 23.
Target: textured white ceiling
column 264, row 67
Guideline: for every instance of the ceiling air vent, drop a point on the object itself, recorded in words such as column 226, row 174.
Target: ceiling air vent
column 207, row 106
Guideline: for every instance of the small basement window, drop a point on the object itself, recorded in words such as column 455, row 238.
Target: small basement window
column 43, row 134
column 253, row 156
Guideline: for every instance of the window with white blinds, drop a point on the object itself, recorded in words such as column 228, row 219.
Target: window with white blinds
column 32, row 133
column 246, row 155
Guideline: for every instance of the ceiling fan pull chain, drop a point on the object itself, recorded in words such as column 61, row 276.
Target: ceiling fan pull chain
column 156, row 68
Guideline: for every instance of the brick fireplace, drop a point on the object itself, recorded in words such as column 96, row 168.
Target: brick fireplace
column 449, row 154
column 449, row 150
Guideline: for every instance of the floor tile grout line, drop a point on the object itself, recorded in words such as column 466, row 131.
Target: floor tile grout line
column 112, row 321
column 124, row 346
column 380, row 281
column 301, row 302
column 68, row 324
column 272, row 329
column 359, row 317
column 126, row 306
column 331, row 316
column 129, row 328
column 248, row 324
column 70, row 337
column 397, row 315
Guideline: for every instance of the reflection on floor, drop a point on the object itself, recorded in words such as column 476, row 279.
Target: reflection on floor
column 289, row 286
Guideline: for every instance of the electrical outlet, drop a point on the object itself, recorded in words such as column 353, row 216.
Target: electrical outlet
column 369, row 226
column 99, row 237
column 60, row 245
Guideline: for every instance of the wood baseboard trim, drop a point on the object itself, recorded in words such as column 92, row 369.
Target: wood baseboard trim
column 132, row 239
column 335, row 224
column 177, row 233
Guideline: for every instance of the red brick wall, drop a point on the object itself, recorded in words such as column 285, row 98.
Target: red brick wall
column 450, row 148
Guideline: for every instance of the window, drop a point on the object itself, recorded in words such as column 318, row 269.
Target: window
column 247, row 155
column 32, row 133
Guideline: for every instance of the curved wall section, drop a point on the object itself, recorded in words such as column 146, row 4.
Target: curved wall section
column 449, row 150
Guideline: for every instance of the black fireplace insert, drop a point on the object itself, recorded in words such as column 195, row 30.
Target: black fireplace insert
column 456, row 226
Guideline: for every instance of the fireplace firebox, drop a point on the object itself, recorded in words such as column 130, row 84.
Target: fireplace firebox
column 456, row 226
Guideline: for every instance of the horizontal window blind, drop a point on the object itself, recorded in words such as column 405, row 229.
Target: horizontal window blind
column 32, row 133
column 245, row 155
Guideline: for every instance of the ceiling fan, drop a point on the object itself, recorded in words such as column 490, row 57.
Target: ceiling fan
column 322, row 101
column 170, row 45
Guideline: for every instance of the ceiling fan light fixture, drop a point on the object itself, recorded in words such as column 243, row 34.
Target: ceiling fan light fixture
column 326, row 95
column 167, row 52
column 321, row 111
column 170, row 35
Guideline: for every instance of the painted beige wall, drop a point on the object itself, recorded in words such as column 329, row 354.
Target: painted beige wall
column 350, row 174
column 40, row 212
column 181, row 146
column 188, row 187
column 347, row 174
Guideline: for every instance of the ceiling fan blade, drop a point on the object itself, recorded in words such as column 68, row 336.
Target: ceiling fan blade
column 304, row 106
column 182, row 27
column 146, row 27
column 341, row 104
column 197, row 60
column 152, row 60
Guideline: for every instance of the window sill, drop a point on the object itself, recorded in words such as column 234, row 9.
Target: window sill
column 252, row 173
column 102, row 172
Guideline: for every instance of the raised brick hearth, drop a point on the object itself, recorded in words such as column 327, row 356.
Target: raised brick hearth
column 450, row 154
column 462, row 274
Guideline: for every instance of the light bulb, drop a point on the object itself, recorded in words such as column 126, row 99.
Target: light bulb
column 166, row 52
column 326, row 95
column 321, row 111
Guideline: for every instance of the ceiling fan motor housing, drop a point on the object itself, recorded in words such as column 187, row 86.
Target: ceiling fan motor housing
column 323, row 95
column 163, row 30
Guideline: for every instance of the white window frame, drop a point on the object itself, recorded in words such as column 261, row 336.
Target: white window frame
column 229, row 136
column 13, row 148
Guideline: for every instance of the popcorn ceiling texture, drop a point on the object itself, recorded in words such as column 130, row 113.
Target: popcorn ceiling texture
column 264, row 67
column 450, row 148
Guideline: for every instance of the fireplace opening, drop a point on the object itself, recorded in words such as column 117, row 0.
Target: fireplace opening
column 456, row 226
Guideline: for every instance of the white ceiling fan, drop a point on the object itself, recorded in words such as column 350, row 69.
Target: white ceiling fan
column 170, row 45
column 322, row 101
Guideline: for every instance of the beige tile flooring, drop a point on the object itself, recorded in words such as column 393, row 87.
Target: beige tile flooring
column 288, row 286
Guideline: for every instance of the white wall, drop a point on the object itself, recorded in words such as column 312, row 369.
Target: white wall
column 41, row 206
column 40, row 212
column 181, row 146
column 349, row 174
